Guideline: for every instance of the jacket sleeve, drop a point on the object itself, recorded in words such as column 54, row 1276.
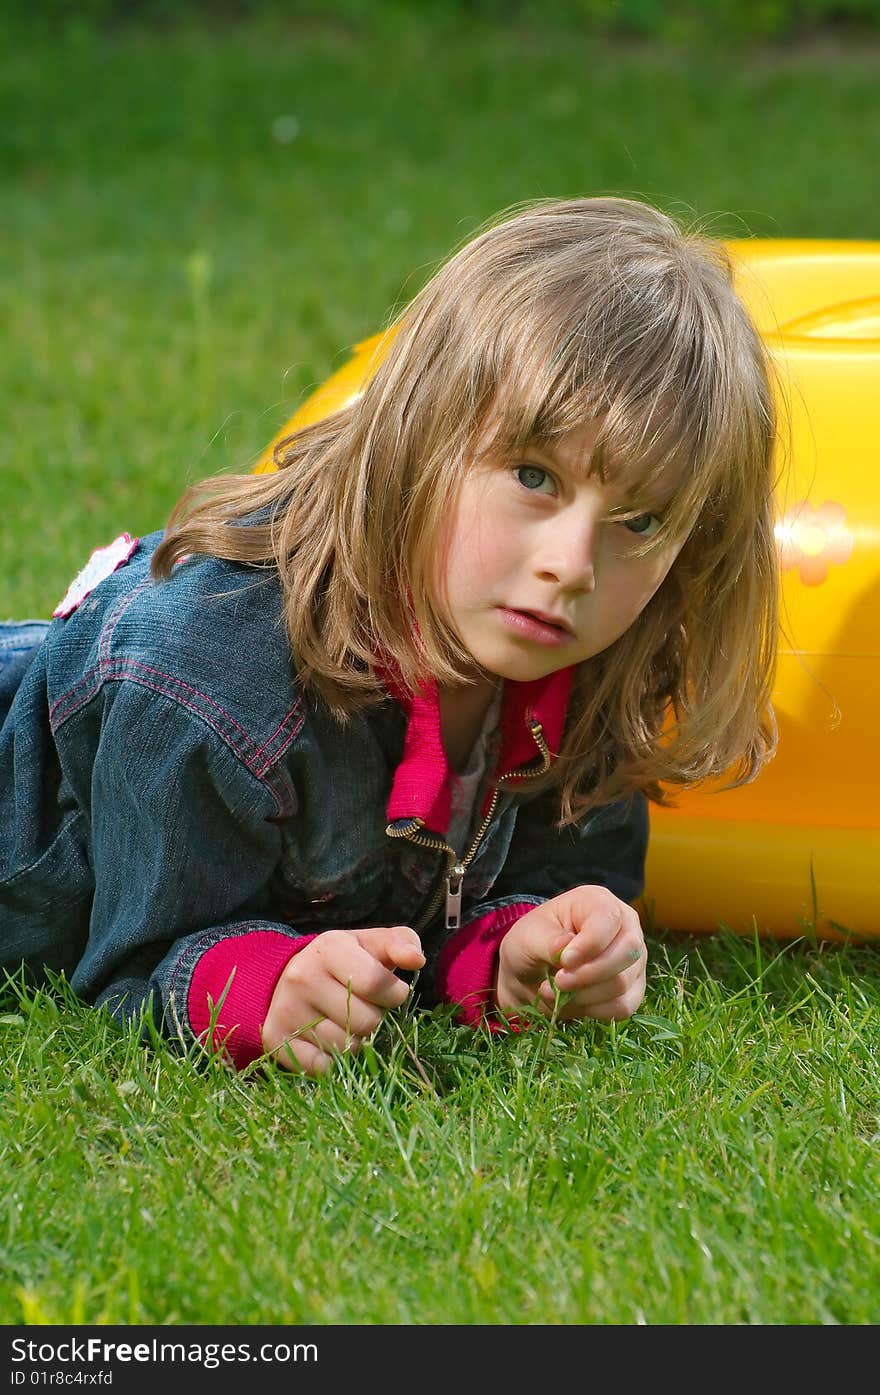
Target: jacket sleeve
column 607, row 849
column 181, row 841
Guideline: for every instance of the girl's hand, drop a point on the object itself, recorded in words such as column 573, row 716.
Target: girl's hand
column 590, row 942
column 335, row 992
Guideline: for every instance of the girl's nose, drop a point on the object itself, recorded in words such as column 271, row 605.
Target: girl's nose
column 566, row 557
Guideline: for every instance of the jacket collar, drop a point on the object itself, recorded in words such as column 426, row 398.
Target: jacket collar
column 422, row 782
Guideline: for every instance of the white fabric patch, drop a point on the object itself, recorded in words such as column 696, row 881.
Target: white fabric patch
column 102, row 563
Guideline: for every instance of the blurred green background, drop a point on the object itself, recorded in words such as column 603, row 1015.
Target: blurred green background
column 204, row 206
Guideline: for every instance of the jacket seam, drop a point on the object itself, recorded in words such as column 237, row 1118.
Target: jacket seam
column 115, row 616
column 120, row 670
column 107, row 669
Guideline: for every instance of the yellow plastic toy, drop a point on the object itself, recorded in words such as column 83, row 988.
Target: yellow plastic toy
column 798, row 850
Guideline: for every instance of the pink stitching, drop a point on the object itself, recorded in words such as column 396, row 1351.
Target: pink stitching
column 258, row 770
column 90, row 693
column 106, row 664
column 280, row 727
column 176, row 697
column 103, row 644
column 108, row 667
column 187, row 687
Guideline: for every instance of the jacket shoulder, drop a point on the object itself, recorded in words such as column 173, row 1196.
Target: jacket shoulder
column 212, row 638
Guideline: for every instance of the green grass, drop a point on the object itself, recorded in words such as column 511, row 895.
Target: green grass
column 712, row 1161
column 173, row 279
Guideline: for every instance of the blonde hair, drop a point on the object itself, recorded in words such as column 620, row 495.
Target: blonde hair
column 559, row 313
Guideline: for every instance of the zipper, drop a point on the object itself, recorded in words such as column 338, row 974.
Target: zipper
column 452, row 882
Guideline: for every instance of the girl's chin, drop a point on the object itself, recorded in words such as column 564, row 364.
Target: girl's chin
column 501, row 651
column 523, row 668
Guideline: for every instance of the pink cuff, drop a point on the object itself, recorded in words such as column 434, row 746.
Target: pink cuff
column 251, row 965
column 466, row 963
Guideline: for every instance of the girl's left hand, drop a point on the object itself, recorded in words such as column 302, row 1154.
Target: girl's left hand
column 592, row 945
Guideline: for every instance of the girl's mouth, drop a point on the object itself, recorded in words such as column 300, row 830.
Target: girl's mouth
column 534, row 628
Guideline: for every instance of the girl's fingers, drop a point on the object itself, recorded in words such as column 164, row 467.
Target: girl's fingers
column 339, row 994
column 616, row 1009
column 350, row 1013
column 584, row 1000
column 351, row 965
column 313, row 1048
column 625, row 955
column 394, row 946
column 302, row 1057
column 616, row 998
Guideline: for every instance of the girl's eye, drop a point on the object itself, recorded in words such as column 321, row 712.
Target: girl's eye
column 644, row 525
column 534, row 478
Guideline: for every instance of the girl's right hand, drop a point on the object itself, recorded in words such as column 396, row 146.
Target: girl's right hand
column 334, row 993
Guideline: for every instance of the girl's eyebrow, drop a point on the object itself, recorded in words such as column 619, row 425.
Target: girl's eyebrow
column 654, row 497
column 639, row 506
column 547, row 454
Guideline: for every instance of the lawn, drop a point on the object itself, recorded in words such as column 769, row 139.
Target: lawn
column 196, row 229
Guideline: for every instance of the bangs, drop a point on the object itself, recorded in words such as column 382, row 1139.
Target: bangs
column 656, row 422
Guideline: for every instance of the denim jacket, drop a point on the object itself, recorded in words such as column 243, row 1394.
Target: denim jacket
column 178, row 817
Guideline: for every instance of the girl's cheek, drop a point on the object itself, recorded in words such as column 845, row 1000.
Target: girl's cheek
column 659, row 574
column 490, row 543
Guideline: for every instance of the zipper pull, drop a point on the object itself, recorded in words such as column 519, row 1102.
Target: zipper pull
column 454, row 882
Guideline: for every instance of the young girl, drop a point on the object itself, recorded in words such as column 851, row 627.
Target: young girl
column 401, row 704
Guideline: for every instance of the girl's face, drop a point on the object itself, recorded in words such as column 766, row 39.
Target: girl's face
column 540, row 569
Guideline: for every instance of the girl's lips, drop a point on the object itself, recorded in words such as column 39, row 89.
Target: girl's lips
column 530, row 627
